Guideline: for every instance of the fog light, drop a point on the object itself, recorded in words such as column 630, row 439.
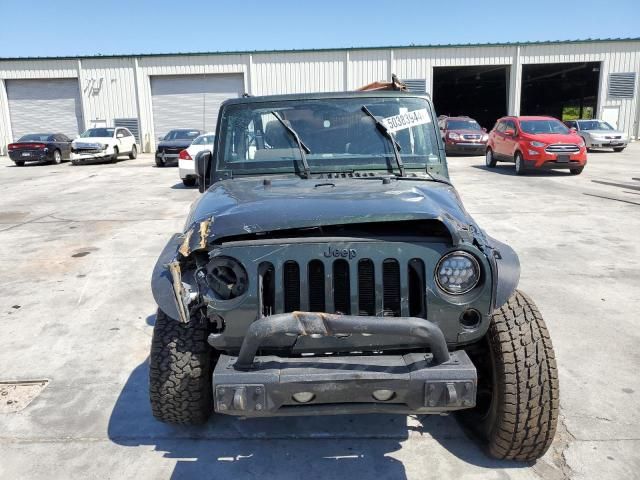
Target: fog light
column 533, row 152
column 303, row 397
column 383, row 395
column 470, row 318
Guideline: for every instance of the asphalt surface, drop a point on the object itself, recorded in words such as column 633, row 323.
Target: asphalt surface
column 78, row 245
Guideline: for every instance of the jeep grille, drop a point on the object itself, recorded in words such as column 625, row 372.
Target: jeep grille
column 351, row 288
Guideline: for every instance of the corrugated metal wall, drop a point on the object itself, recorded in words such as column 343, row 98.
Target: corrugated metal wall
column 120, row 87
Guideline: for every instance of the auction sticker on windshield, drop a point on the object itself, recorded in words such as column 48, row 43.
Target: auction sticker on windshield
column 406, row 120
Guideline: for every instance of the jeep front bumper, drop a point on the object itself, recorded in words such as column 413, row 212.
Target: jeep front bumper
column 257, row 386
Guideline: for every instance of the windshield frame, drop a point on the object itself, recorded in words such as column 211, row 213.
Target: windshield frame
column 333, row 162
column 85, row 134
column 608, row 127
column 469, row 121
column 525, row 123
column 183, row 131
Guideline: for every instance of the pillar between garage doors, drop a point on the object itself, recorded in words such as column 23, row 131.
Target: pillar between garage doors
column 515, row 83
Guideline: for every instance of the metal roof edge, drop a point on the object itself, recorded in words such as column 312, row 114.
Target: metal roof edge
column 336, row 49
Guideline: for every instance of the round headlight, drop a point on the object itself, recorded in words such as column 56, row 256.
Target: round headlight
column 457, row 273
column 227, row 277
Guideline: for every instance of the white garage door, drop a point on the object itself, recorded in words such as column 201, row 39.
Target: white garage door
column 191, row 101
column 37, row 106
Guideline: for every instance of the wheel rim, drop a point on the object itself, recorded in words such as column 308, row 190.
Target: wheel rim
column 56, row 157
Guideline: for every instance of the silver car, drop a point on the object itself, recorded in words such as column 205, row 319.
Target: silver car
column 599, row 134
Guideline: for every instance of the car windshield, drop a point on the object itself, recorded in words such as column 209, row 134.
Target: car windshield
column 36, row 137
column 463, row 125
column 182, row 135
column 98, row 132
column 595, row 125
column 204, row 140
column 543, row 126
column 337, row 131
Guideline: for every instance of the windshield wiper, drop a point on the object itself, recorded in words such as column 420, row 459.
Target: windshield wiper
column 382, row 128
column 303, row 148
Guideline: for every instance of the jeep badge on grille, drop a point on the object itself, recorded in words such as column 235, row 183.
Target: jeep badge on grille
column 349, row 253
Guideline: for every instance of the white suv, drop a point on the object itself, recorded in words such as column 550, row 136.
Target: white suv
column 100, row 144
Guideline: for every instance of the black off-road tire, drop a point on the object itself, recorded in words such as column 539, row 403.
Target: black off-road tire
column 180, row 367
column 133, row 154
column 517, row 417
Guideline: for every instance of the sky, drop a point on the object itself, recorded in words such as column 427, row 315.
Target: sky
column 85, row 27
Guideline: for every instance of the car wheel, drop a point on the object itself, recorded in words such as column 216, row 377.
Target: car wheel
column 180, row 369
column 134, row 153
column 619, row 149
column 517, row 403
column 160, row 162
column 189, row 181
column 19, row 163
column 75, row 162
column 57, row 157
column 114, row 157
column 520, row 170
column 489, row 159
column 576, row 171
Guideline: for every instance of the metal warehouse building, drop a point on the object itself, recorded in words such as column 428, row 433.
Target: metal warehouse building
column 152, row 93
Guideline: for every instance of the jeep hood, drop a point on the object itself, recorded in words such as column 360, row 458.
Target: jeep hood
column 241, row 206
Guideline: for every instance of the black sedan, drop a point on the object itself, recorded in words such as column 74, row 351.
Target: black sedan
column 172, row 144
column 40, row 147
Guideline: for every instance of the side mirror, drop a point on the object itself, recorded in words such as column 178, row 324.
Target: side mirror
column 202, row 165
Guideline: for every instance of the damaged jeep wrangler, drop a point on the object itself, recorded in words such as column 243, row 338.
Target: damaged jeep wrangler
column 330, row 268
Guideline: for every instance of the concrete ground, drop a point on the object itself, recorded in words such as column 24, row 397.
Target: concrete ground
column 78, row 244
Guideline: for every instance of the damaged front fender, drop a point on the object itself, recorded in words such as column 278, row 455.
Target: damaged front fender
column 171, row 292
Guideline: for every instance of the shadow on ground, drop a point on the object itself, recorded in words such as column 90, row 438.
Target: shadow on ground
column 344, row 446
column 509, row 169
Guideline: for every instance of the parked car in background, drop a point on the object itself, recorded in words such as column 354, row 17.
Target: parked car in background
column 540, row 143
column 103, row 144
column 599, row 134
column 186, row 168
column 170, row 146
column 40, row 147
column 463, row 135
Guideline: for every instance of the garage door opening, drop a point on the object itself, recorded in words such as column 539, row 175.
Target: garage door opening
column 191, row 101
column 479, row 92
column 43, row 106
column 563, row 90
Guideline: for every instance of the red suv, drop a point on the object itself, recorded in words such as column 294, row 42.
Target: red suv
column 534, row 143
column 462, row 135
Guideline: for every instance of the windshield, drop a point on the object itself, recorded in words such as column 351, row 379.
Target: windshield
column 36, row 137
column 463, row 125
column 338, row 133
column 595, row 125
column 182, row 134
column 543, row 126
column 98, row 132
column 204, row 140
